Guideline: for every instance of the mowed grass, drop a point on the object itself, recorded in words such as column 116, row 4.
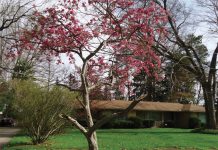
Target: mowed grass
column 124, row 139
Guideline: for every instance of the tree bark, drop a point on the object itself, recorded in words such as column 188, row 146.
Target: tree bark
column 210, row 110
column 92, row 141
column 91, row 138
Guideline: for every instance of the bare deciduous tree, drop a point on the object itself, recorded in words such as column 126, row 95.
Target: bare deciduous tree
column 12, row 16
column 210, row 13
column 191, row 61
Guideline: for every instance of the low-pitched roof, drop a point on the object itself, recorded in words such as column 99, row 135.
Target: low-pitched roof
column 146, row 106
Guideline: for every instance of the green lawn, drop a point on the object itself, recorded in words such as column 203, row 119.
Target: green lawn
column 124, row 139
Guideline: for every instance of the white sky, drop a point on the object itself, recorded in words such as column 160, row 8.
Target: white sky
column 202, row 29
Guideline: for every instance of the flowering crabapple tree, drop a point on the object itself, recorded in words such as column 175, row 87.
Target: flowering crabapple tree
column 106, row 36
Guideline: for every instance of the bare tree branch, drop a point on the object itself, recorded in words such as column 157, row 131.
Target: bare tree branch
column 74, row 122
column 68, row 87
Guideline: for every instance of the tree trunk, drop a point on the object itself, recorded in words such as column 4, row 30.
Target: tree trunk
column 92, row 138
column 92, row 141
column 209, row 108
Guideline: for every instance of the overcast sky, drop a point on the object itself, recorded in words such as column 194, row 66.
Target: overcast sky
column 202, row 29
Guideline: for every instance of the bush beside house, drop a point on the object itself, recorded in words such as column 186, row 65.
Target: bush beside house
column 194, row 123
column 129, row 123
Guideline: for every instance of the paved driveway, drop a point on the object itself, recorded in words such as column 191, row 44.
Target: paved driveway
column 6, row 134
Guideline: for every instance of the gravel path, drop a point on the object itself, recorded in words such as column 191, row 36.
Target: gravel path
column 6, row 134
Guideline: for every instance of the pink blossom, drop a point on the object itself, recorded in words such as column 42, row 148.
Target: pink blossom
column 130, row 35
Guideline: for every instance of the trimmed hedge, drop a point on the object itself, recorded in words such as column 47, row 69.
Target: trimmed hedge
column 118, row 123
column 148, row 123
column 125, row 124
column 129, row 123
column 137, row 122
column 108, row 125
